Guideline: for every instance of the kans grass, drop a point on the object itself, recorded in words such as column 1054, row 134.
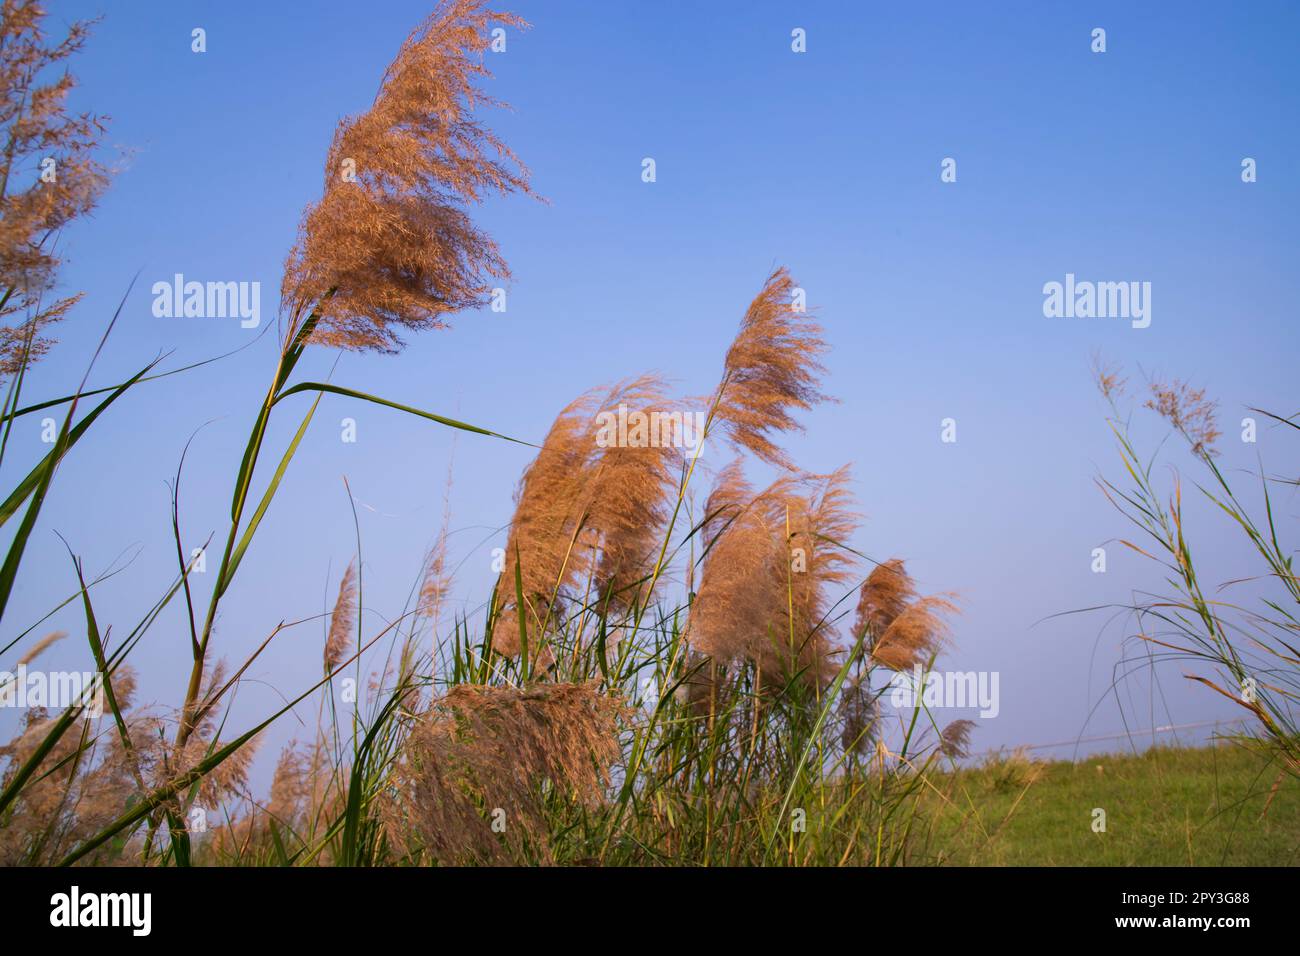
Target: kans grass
column 654, row 681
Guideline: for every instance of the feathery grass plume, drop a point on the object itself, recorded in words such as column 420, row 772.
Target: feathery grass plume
column 438, row 577
column 1108, row 377
column 629, row 505
column 954, row 739
column 550, row 502
column 157, row 761
column 343, row 620
column 886, row 592
column 859, row 711
column 819, row 523
column 85, row 783
column 124, row 686
column 915, row 635
column 739, row 607
column 227, row 782
column 585, row 509
column 26, row 831
column 290, row 787
column 771, row 369
column 480, row 752
column 305, row 793
column 77, row 793
column 754, row 579
column 37, row 200
column 41, row 646
column 1189, row 411
column 728, row 499
column 705, row 681
column 391, row 235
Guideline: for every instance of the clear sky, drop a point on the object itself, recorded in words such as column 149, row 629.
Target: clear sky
column 1117, row 166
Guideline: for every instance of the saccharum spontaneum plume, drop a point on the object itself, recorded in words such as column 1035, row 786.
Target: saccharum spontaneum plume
column 479, row 749
column 37, row 127
column 886, row 592
column 954, row 739
column 87, row 782
column 587, row 515
column 343, row 621
column 916, row 635
column 770, row 558
column 41, row 646
column 739, row 606
column 819, row 525
column 438, row 578
column 859, row 713
column 595, row 515
column 773, row 559
column 389, row 246
column 901, row 630
column 629, row 508
column 771, row 370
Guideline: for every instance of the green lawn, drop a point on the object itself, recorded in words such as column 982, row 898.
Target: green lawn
column 1171, row 807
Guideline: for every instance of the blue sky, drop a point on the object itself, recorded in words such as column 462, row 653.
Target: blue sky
column 1117, row 166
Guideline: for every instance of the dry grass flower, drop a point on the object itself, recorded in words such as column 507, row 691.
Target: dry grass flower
column 1189, row 411
column 915, row 635
column 38, row 200
column 886, row 592
column 343, row 621
column 771, row 370
column 954, row 739
column 859, row 713
column 1108, row 377
column 390, row 235
column 586, row 513
column 484, row 753
column 772, row 560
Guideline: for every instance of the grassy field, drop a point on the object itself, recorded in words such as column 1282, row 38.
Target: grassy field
column 1167, row 807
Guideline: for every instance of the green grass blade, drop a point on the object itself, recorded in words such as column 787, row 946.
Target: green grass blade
column 9, row 571
column 48, row 463
column 238, row 554
column 353, row 393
